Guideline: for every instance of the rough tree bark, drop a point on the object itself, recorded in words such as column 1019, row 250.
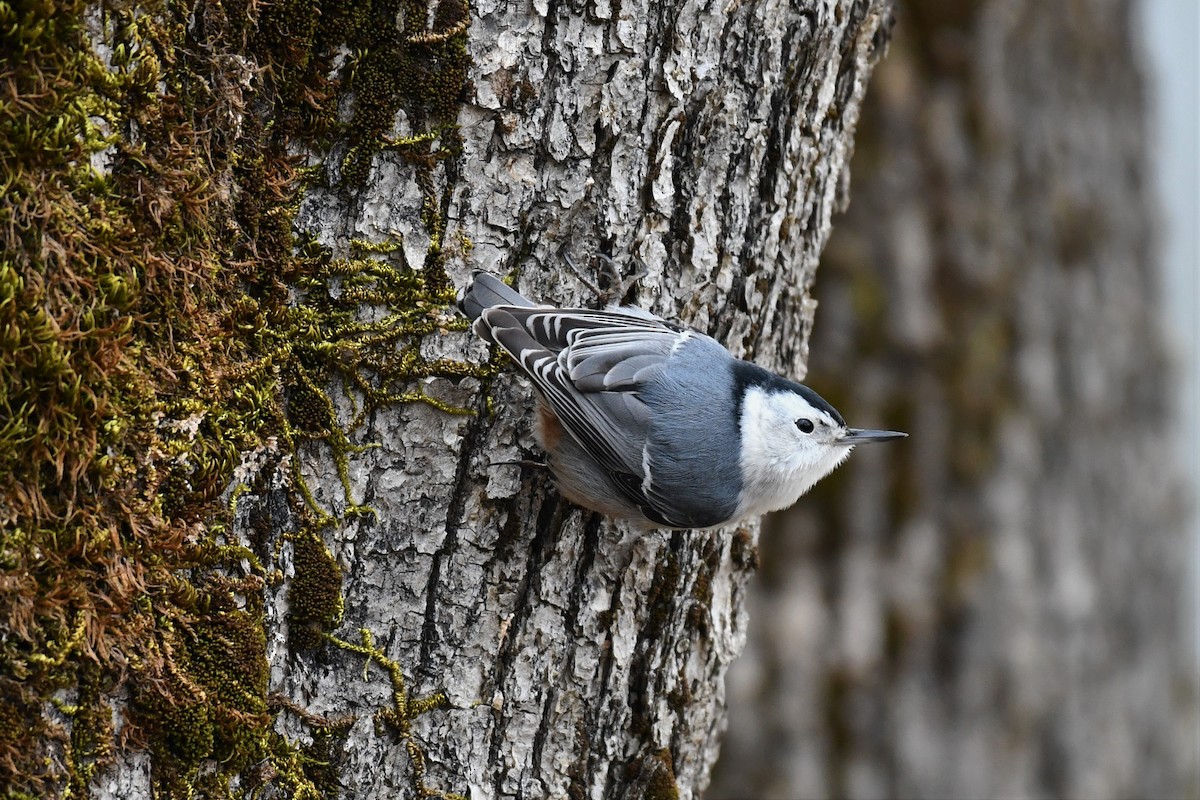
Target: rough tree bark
column 495, row 640
column 709, row 144
column 996, row 610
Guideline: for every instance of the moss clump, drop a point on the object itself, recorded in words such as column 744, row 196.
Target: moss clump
column 652, row 777
column 315, row 595
column 16, row 734
column 660, row 599
column 700, row 610
column 91, row 730
column 422, row 72
column 743, row 550
column 211, row 705
column 663, row 785
column 321, row 758
column 155, row 305
column 79, row 506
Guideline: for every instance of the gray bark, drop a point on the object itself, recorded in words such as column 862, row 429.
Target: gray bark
column 996, row 609
column 577, row 659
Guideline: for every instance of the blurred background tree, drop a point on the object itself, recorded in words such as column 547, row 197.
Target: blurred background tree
column 995, row 609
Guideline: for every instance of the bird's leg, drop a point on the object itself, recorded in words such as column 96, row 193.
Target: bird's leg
column 616, row 286
column 529, row 459
column 523, row 462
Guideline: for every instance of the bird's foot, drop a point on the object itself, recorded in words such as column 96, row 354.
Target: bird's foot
column 609, row 286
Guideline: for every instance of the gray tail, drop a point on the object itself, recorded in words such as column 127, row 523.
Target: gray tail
column 485, row 291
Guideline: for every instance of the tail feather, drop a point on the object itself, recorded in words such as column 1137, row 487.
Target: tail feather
column 486, row 291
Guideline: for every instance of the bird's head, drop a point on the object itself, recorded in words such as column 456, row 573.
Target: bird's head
column 791, row 438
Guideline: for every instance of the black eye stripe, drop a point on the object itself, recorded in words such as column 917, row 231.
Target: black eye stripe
column 805, row 425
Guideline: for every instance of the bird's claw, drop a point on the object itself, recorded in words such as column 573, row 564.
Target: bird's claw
column 615, row 285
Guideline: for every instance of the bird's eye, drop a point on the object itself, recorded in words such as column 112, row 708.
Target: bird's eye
column 805, row 425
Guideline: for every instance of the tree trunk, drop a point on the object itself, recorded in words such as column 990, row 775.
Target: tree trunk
column 997, row 609
column 296, row 545
column 580, row 659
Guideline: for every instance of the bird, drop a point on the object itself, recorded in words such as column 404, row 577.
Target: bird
column 653, row 422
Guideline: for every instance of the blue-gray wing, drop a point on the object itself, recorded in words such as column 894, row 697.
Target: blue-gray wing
column 589, row 365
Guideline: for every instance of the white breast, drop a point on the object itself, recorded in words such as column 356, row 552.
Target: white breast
column 778, row 464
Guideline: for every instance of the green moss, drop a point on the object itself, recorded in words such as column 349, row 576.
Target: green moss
column 652, row 777
column 421, row 71
column 322, row 756
column 17, row 734
column 91, row 729
column 404, row 709
column 663, row 785
column 158, row 318
column 315, row 595
column 212, row 703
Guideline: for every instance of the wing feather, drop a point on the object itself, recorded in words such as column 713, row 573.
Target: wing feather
column 591, row 420
column 618, row 361
column 588, row 366
column 558, row 328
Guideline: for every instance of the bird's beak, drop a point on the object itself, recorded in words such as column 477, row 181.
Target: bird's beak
column 862, row 435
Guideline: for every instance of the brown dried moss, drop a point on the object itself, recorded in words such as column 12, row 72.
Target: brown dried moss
column 148, row 330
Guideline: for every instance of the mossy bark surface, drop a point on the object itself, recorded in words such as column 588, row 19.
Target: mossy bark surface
column 266, row 529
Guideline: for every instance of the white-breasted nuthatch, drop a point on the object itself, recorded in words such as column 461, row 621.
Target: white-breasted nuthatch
column 649, row 421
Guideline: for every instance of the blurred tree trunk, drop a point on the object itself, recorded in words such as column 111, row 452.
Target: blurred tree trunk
column 487, row 637
column 995, row 608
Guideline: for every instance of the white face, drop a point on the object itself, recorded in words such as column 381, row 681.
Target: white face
column 787, row 446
